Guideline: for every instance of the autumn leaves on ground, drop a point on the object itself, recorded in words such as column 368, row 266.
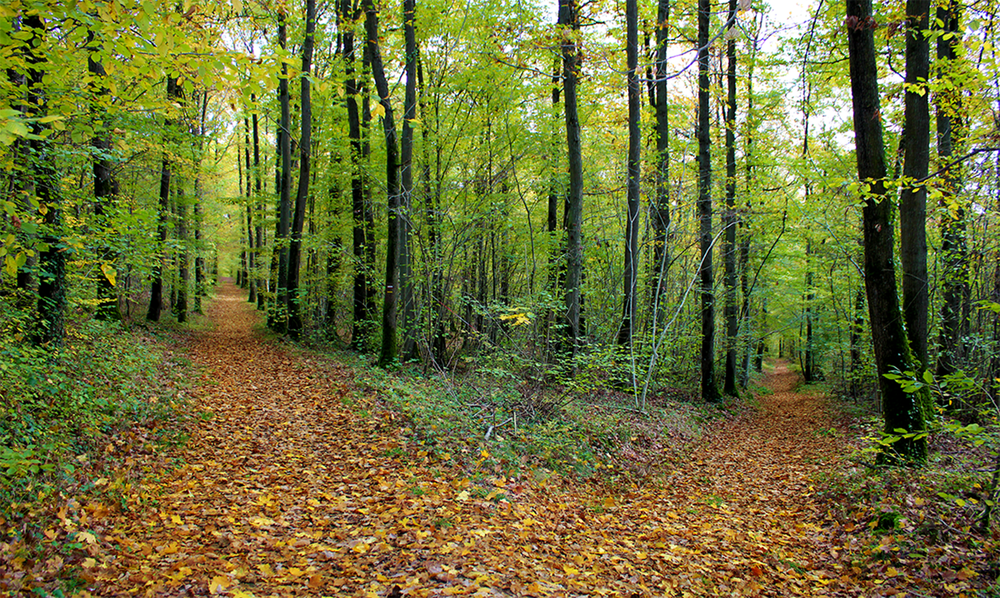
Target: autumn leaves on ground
column 292, row 484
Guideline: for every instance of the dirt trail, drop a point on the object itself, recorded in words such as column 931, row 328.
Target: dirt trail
column 285, row 489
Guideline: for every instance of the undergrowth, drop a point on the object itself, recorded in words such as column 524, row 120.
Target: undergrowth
column 496, row 421
column 72, row 423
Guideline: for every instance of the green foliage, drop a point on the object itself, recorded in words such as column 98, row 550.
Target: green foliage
column 57, row 407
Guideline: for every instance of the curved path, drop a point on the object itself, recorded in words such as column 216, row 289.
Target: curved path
column 288, row 487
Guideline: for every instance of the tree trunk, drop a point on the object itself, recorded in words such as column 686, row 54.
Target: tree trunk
column 729, row 221
column 954, row 252
column 295, row 298
column 660, row 210
column 50, row 327
column 709, row 390
column 573, row 334
column 280, row 317
column 105, row 191
column 389, row 352
column 251, row 248
column 631, row 270
column 174, row 92
column 407, row 297
column 259, row 205
column 901, row 411
column 913, row 199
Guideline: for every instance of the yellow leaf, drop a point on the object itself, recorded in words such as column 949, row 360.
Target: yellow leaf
column 219, row 584
column 110, row 274
column 89, row 563
column 176, row 519
column 87, row 537
column 891, row 572
column 361, row 548
column 265, row 570
column 570, row 570
column 378, row 110
column 463, row 495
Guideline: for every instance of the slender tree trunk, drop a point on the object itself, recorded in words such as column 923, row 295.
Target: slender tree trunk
column 389, row 352
column 913, row 199
column 631, row 270
column 573, row 335
column 174, row 93
column 660, row 210
column 407, row 297
column 280, row 318
column 252, row 250
column 901, row 410
column 709, row 390
column 295, row 298
column 105, row 190
column 183, row 259
column 954, row 252
column 258, row 205
column 729, row 221
column 50, row 327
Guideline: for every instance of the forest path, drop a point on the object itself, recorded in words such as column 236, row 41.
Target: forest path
column 286, row 489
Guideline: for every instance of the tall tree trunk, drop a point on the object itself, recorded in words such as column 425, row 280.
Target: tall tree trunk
column 901, row 410
column 954, row 252
column 631, row 270
column 258, row 204
column 913, row 199
column 174, row 93
column 183, row 259
column 729, row 220
column 280, row 317
column 199, row 260
column 709, row 390
column 105, row 190
column 362, row 227
column 389, row 351
column 295, row 298
column 438, row 311
column 407, row 297
column 573, row 334
column 252, row 249
column 660, row 210
column 50, row 327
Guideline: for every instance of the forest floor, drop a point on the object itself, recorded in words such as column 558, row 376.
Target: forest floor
column 293, row 484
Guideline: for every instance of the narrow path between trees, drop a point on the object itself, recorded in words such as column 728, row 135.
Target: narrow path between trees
column 288, row 487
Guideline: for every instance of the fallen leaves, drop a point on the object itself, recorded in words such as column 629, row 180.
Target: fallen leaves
column 286, row 491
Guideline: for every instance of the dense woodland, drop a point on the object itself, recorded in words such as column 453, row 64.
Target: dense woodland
column 655, row 196
column 560, row 236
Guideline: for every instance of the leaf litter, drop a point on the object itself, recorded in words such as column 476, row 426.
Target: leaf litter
column 286, row 488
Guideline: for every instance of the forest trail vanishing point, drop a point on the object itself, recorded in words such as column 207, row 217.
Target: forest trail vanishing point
column 286, row 487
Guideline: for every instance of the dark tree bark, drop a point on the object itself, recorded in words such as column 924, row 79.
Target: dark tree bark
column 407, row 297
column 258, row 203
column 913, row 200
column 729, row 220
column 105, row 187
column 389, row 350
column 438, row 311
column 199, row 260
column 251, row 248
column 573, row 334
column 901, row 411
column 954, row 252
column 295, row 299
column 183, row 260
column 709, row 390
column 631, row 271
column 660, row 210
column 362, row 237
column 280, row 316
column 50, row 327
column 174, row 93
